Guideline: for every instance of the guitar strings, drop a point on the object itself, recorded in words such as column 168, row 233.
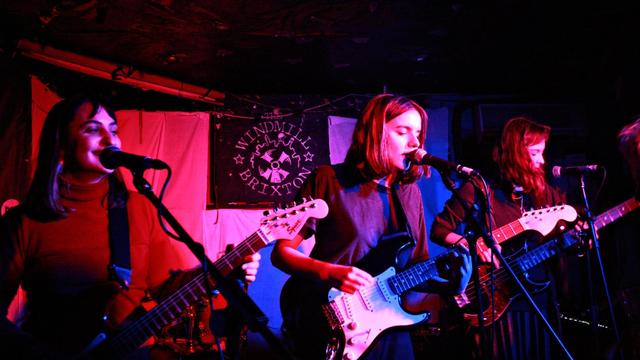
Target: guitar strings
column 123, row 338
column 409, row 276
column 194, row 284
column 499, row 274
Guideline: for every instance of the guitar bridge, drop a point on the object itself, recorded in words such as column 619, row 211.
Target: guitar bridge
column 333, row 315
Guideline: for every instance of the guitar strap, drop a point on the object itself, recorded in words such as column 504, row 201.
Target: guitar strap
column 399, row 218
column 400, row 224
column 120, row 257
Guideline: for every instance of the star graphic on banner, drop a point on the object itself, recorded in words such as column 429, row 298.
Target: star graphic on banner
column 239, row 159
column 308, row 156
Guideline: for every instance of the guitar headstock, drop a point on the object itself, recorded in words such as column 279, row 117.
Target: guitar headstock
column 287, row 223
column 545, row 220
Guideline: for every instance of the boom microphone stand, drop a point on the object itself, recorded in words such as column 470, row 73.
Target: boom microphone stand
column 479, row 230
column 596, row 249
column 252, row 315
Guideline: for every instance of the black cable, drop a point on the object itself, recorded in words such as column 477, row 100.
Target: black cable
column 160, row 217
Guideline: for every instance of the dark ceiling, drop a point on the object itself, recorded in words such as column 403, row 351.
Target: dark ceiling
column 278, row 46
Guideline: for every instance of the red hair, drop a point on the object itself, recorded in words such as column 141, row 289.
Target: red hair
column 368, row 150
column 513, row 159
column 628, row 139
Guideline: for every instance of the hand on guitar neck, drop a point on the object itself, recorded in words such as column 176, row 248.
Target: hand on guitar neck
column 484, row 252
column 250, row 267
column 580, row 237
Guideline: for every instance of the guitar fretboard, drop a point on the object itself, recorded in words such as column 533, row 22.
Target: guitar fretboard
column 415, row 275
column 615, row 213
column 132, row 336
column 508, row 231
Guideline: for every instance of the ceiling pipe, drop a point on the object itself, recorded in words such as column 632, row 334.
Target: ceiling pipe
column 115, row 72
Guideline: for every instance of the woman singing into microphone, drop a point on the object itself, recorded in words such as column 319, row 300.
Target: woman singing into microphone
column 372, row 194
column 57, row 243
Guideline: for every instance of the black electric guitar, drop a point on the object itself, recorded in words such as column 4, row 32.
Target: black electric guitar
column 506, row 289
column 326, row 323
column 281, row 224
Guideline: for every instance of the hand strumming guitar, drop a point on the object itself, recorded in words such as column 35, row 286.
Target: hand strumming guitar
column 347, row 278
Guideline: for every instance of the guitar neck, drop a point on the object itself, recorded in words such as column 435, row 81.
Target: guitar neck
column 506, row 232
column 415, row 275
column 615, row 213
column 172, row 307
column 233, row 258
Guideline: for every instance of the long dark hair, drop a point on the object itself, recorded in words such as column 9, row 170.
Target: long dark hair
column 368, row 149
column 42, row 201
column 628, row 143
column 512, row 155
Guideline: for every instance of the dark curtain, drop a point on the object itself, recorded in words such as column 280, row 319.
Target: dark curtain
column 15, row 130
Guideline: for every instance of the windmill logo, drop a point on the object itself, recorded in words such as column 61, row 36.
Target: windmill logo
column 274, row 172
column 273, row 158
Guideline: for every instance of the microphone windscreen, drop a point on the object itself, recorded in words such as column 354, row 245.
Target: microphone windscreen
column 418, row 155
column 106, row 156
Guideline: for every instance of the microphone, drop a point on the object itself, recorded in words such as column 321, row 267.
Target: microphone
column 111, row 157
column 421, row 157
column 559, row 171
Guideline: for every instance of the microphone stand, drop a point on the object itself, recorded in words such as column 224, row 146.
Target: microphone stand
column 479, row 229
column 252, row 315
column 472, row 239
column 596, row 248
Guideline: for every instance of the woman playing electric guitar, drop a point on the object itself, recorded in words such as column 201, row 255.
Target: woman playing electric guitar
column 57, row 243
column 371, row 196
column 521, row 186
